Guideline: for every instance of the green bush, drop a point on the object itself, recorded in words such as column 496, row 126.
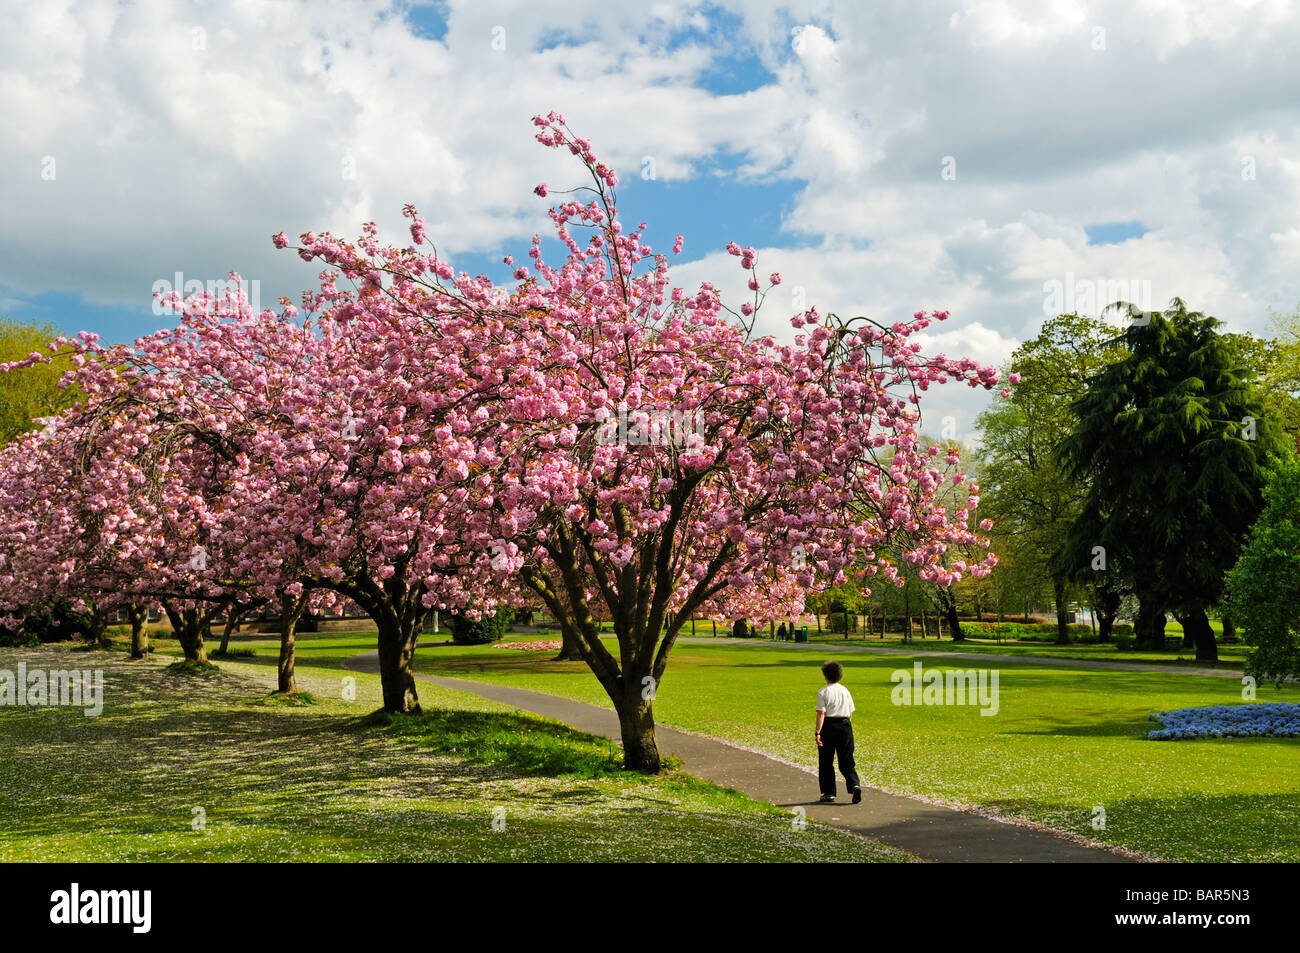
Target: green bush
column 481, row 631
column 840, row 622
column 17, row 637
column 54, row 622
column 1124, row 640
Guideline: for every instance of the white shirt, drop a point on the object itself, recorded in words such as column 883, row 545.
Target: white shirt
column 835, row 700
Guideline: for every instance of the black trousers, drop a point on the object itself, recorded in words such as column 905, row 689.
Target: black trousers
column 837, row 741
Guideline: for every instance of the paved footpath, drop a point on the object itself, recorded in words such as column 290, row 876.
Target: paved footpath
column 930, row 831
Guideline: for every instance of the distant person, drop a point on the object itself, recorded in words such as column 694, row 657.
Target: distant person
column 834, row 735
column 780, row 632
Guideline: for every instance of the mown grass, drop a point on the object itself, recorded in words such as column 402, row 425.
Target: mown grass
column 1065, row 742
column 216, row 767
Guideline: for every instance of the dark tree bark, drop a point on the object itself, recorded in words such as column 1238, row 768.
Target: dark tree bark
column 138, row 615
column 1149, row 627
column 1197, row 629
column 396, row 651
column 946, row 604
column 174, row 617
column 234, row 615
column 637, row 726
column 907, row 613
column 569, row 651
column 1107, row 609
column 191, row 634
column 291, row 611
column 1062, row 623
column 398, row 611
column 98, row 632
column 1229, row 629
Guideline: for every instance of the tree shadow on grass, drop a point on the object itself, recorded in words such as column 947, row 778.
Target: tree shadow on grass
column 521, row 744
column 165, row 745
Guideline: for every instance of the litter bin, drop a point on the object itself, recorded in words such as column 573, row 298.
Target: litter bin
column 801, row 634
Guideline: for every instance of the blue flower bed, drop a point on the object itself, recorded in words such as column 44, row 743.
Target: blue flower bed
column 1278, row 720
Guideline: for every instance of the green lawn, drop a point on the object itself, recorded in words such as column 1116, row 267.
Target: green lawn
column 1231, row 657
column 1064, row 742
column 316, row 779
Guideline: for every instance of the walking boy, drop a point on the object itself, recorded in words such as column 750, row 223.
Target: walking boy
column 835, row 735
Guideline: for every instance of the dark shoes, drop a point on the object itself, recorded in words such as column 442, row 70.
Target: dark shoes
column 857, row 795
column 828, row 799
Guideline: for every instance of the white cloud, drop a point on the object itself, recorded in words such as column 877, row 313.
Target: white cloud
column 291, row 116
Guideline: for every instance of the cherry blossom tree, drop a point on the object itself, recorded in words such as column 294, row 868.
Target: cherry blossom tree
column 637, row 454
column 590, row 436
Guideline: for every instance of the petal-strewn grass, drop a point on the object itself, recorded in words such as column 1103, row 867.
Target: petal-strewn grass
column 211, row 766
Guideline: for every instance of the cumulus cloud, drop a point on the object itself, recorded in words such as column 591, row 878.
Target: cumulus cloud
column 936, row 156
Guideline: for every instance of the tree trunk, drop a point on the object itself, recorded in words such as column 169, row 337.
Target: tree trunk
column 175, row 617
column 191, row 636
column 907, row 613
column 947, row 607
column 232, row 623
column 1229, row 629
column 1105, row 625
column 1062, row 626
column 954, row 624
column 1196, row 627
column 636, row 724
column 138, row 615
column 1149, row 627
column 291, row 610
column 396, row 651
column 569, row 651
column 98, row 633
column 1108, row 602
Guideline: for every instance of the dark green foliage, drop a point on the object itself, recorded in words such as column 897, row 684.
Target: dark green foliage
column 54, row 622
column 1263, row 589
column 467, row 631
column 1173, row 442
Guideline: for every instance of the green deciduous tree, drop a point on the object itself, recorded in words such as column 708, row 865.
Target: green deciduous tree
column 30, row 393
column 1263, row 588
column 1027, row 491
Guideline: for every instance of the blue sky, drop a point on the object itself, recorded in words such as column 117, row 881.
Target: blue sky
column 885, row 158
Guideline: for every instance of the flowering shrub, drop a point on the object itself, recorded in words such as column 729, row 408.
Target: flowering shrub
column 531, row 646
column 1278, row 720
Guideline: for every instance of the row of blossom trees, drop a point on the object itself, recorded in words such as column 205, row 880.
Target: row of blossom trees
column 417, row 439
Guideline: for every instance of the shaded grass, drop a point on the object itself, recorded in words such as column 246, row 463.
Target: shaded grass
column 216, row 768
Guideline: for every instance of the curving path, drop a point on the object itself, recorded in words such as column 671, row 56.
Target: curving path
column 930, row 831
